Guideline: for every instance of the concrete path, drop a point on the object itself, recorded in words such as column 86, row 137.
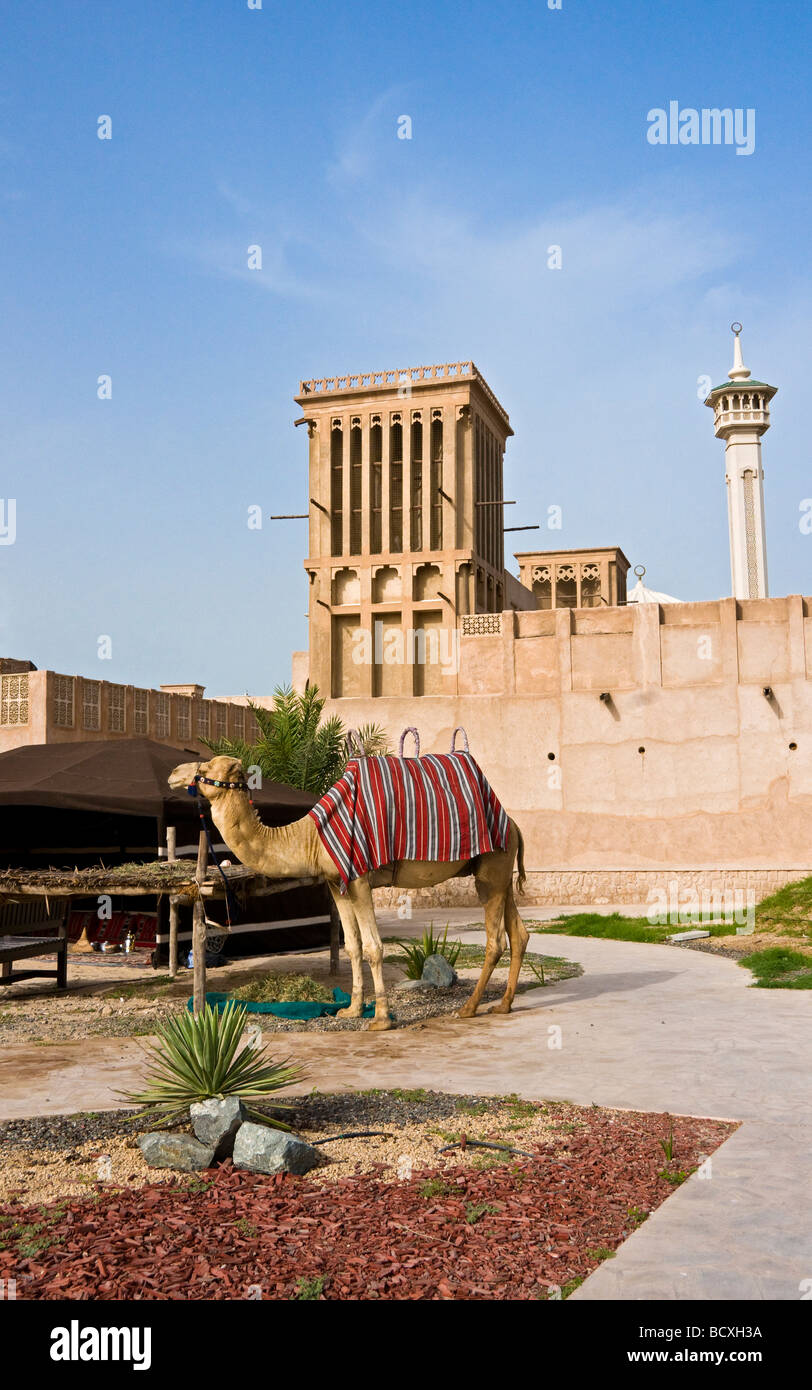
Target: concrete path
column 645, row 1028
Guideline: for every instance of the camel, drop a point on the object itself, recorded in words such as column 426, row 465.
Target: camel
column 296, row 851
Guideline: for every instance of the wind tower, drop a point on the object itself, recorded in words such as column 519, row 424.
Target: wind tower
column 741, row 415
column 406, row 524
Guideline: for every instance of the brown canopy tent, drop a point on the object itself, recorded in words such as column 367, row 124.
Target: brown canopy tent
column 107, row 801
column 124, row 777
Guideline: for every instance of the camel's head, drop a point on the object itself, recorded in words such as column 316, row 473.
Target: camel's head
column 213, row 779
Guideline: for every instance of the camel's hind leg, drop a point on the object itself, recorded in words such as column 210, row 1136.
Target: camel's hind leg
column 493, row 900
column 361, row 897
column 519, row 937
column 352, row 943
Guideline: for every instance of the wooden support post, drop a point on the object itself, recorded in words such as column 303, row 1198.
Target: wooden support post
column 171, row 856
column 174, row 915
column 62, row 949
column 199, row 929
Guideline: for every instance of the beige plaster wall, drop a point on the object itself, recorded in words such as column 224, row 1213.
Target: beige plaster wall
column 716, row 784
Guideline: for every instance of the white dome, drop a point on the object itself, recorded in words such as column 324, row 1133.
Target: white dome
column 640, row 594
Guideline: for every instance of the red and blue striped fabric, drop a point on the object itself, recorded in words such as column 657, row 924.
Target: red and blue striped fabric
column 383, row 810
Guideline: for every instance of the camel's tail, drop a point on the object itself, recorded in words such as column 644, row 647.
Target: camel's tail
column 522, row 879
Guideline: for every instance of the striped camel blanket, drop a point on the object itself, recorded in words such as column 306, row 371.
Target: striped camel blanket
column 385, row 809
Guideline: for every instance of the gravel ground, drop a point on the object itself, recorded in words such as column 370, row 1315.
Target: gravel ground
column 41, row 1017
column 390, row 1225
column 710, row 945
column 48, row 1157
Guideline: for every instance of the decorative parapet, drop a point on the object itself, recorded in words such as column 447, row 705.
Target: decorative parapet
column 441, row 371
column 359, row 380
column 481, row 624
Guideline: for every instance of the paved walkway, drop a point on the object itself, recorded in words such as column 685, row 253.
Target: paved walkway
column 645, row 1027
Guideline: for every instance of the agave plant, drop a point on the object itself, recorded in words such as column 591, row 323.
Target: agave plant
column 197, row 1059
column 417, row 952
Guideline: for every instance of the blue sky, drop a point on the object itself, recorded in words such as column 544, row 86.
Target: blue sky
column 233, row 127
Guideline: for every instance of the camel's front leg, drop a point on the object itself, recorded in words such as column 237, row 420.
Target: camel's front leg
column 352, row 942
column 361, row 897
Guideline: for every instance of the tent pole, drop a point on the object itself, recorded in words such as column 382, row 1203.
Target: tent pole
column 171, row 846
column 199, row 929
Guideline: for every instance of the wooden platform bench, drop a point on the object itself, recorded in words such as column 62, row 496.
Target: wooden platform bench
column 30, row 929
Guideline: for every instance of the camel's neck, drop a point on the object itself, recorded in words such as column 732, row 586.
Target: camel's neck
column 287, row 851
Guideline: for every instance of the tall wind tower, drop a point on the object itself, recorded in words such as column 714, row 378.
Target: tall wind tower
column 741, row 415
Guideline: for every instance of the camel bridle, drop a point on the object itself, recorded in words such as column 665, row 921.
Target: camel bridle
column 192, row 788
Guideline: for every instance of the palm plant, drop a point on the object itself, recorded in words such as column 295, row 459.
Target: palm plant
column 417, row 952
column 197, row 1059
column 296, row 744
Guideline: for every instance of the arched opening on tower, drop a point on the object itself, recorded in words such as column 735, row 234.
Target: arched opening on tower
column 355, row 488
column 416, row 528
column 396, row 485
column 337, row 488
column 376, row 487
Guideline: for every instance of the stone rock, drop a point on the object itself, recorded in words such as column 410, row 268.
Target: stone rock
column 216, row 1121
column 265, row 1150
column 407, row 986
column 438, row 972
column 180, row 1151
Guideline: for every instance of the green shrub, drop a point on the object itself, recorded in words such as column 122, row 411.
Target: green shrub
column 198, row 1059
column 418, row 952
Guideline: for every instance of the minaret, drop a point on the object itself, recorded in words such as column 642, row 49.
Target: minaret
column 741, row 415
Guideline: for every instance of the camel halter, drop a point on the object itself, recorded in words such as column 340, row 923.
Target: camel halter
column 214, row 782
column 193, row 789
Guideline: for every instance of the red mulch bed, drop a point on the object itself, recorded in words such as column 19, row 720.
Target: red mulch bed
column 363, row 1237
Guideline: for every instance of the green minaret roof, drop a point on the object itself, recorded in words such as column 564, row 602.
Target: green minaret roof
column 742, row 386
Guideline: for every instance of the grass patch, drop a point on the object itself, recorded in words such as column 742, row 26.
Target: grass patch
column 472, row 1107
column 519, row 1109
column 419, row 1096
column 474, row 1211
column 779, row 968
column 618, row 928
column 676, row 1176
column 787, row 912
column 281, row 988
column 483, row 1162
column 309, row 1290
column 29, row 1238
column 602, row 1252
column 436, row 1187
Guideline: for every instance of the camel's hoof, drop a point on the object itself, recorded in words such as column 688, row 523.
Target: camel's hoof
column 500, row 1008
column 350, row 1012
column 379, row 1025
column 465, row 1012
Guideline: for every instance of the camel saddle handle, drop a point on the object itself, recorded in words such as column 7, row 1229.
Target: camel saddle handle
column 410, row 730
column 355, row 747
column 459, row 730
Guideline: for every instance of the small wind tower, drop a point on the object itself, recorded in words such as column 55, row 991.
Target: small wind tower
column 741, row 415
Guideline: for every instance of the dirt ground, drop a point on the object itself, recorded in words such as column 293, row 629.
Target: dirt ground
column 122, row 996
